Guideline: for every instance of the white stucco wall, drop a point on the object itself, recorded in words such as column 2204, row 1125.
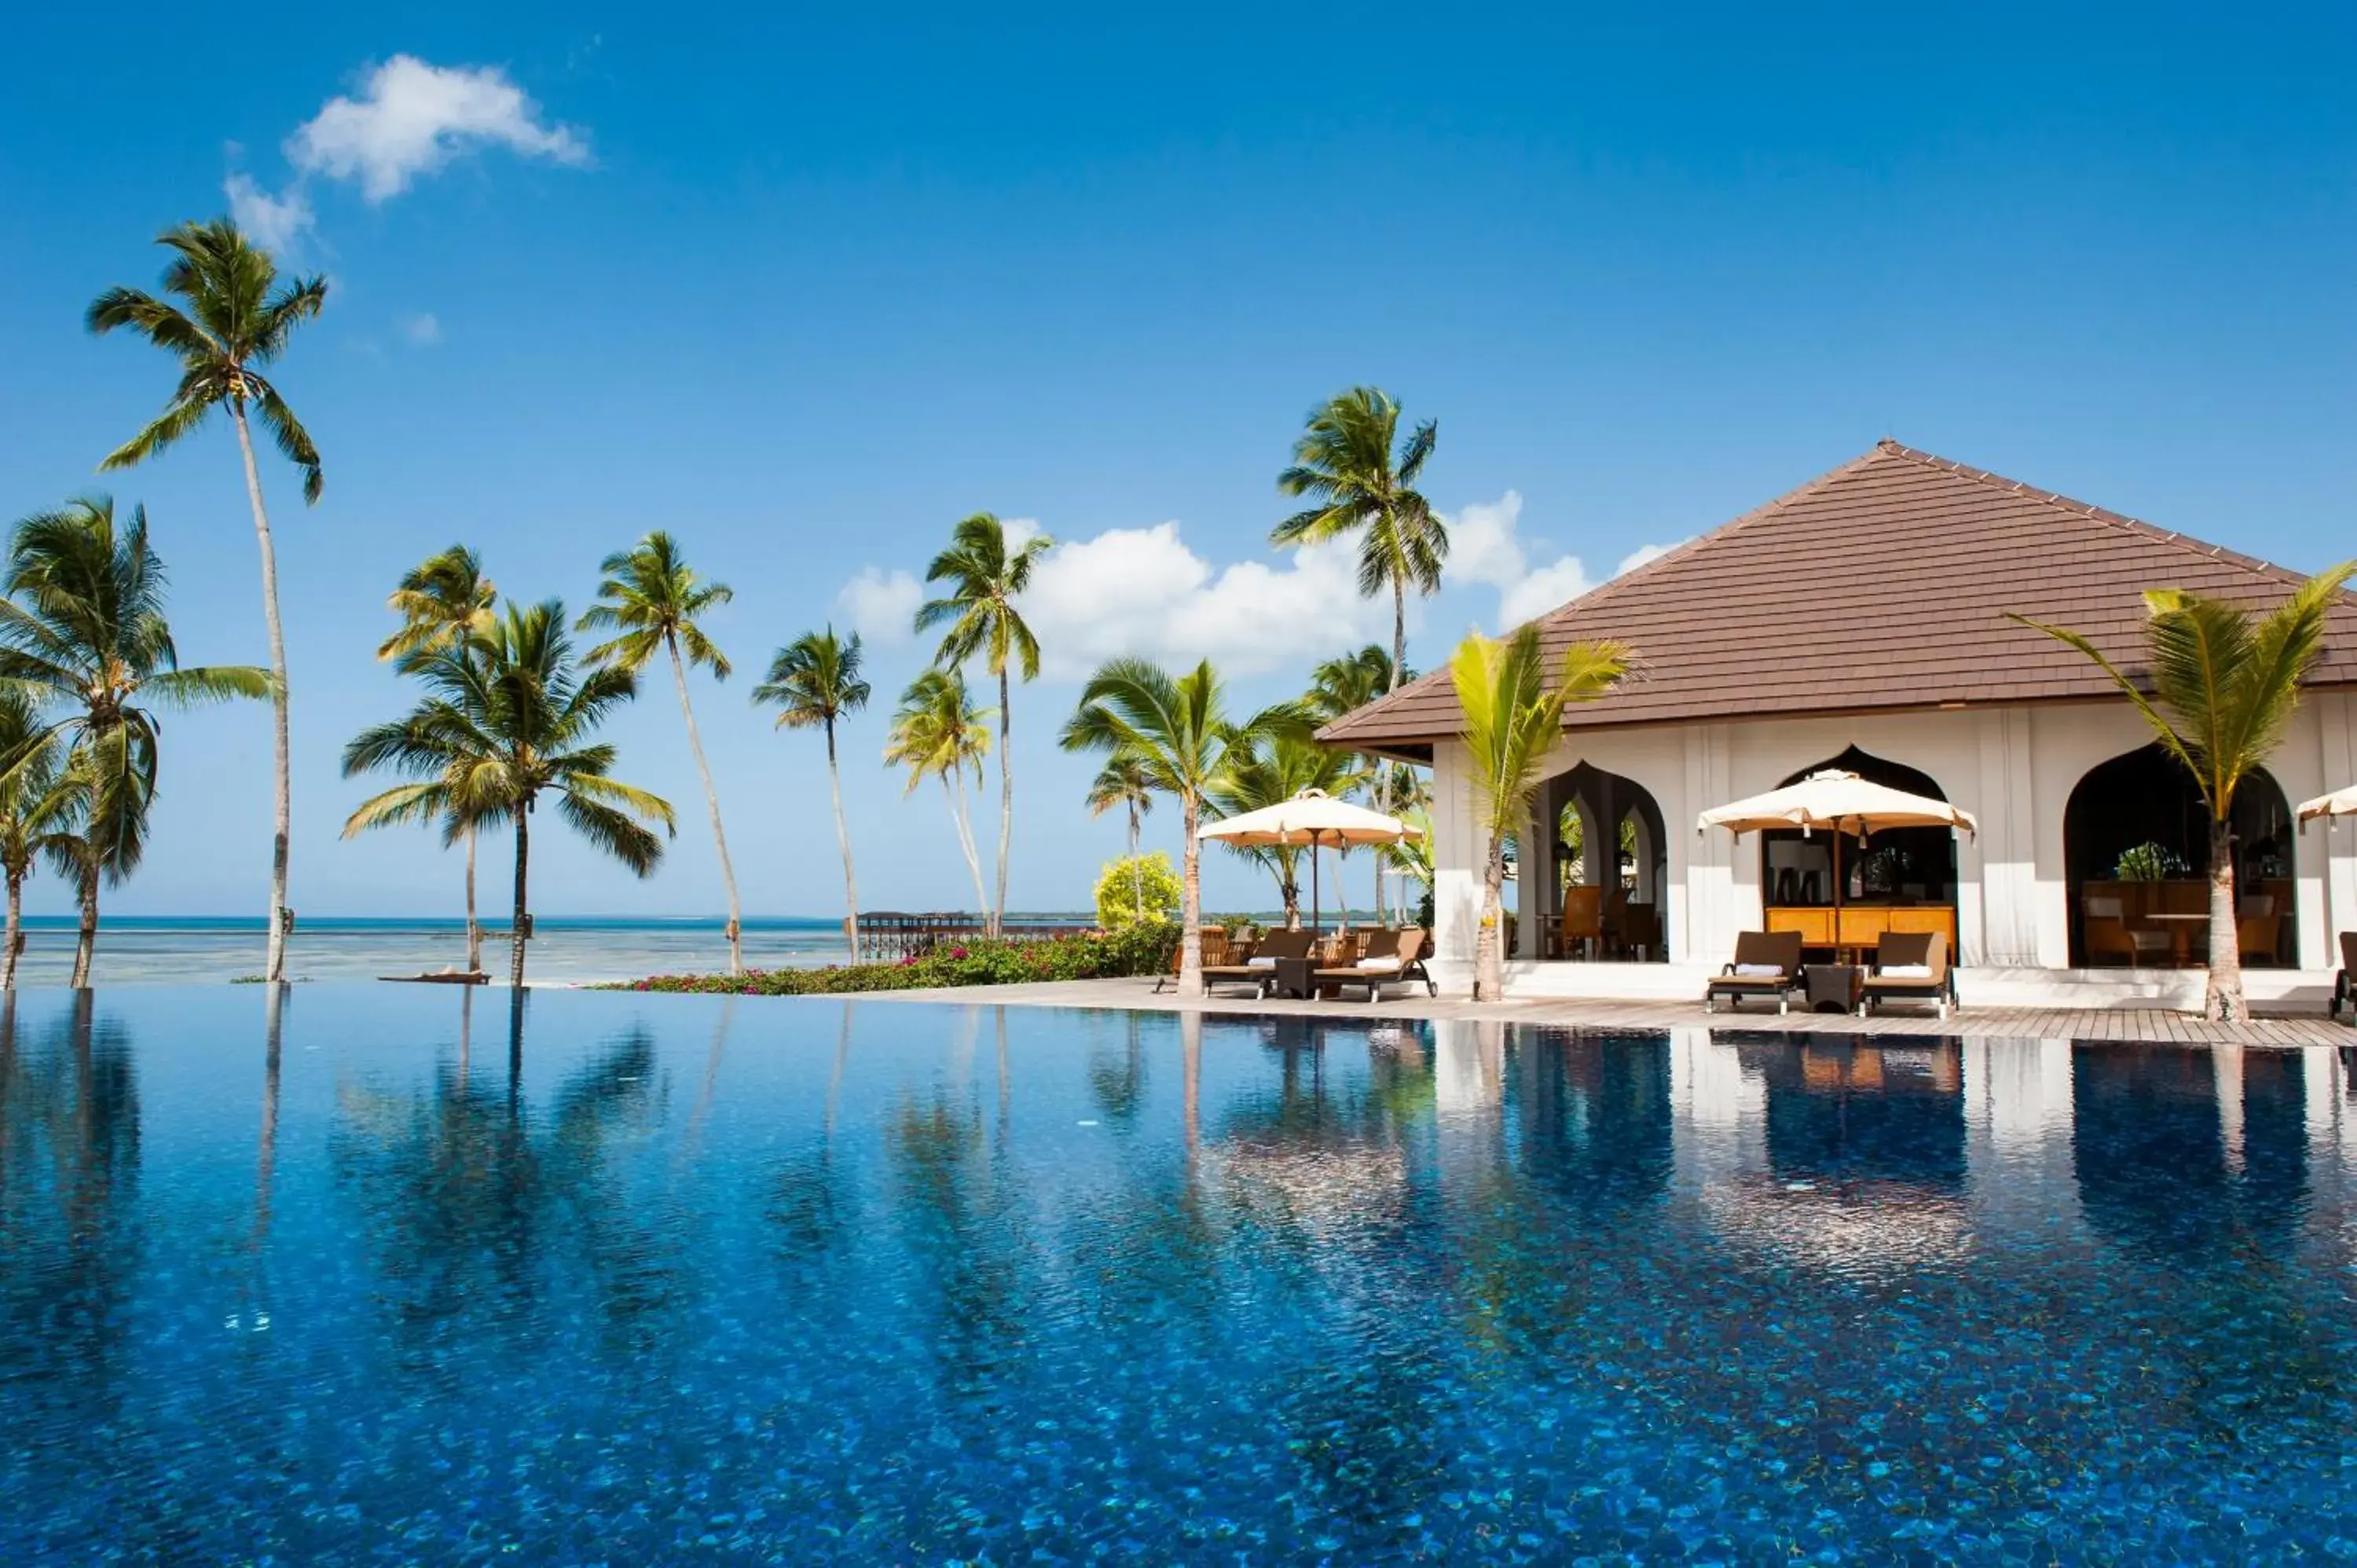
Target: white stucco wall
column 2013, row 767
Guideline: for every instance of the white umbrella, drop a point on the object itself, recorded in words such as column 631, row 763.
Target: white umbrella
column 1313, row 818
column 2340, row 803
column 1841, row 801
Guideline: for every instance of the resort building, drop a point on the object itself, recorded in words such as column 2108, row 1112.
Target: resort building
column 1860, row 622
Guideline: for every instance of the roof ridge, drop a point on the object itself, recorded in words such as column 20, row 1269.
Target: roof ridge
column 2087, row 511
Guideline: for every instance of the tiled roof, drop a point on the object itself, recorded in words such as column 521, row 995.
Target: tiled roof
column 1882, row 585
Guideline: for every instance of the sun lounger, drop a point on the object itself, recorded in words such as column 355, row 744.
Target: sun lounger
column 1911, row 966
column 2344, row 984
column 1767, row 964
column 1217, row 950
column 1391, row 958
column 1259, row 970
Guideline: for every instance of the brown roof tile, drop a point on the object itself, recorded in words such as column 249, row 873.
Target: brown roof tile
column 1883, row 583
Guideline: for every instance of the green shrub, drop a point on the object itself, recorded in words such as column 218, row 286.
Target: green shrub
column 1083, row 955
column 1122, row 883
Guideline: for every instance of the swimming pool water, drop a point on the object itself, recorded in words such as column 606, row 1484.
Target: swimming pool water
column 731, row 1279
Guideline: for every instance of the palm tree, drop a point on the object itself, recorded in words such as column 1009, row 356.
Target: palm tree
column 1268, row 771
column 1513, row 713
column 1122, row 781
column 985, row 577
column 1178, row 730
column 503, row 722
column 652, row 596
column 937, row 732
column 445, row 602
column 82, row 631
column 234, row 319
column 2224, row 685
column 36, row 807
column 815, row 680
column 1343, row 685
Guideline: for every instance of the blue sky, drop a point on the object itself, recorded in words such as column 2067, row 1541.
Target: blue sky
column 804, row 292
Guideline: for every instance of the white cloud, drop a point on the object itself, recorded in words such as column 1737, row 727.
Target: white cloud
column 411, row 118
column 422, row 330
column 1485, row 546
column 1142, row 591
column 880, row 604
column 276, row 223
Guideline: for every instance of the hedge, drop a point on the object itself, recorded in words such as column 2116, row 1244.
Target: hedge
column 1083, row 955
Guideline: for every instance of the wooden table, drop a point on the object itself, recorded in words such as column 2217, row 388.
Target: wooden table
column 1836, row 986
column 2180, row 936
column 1293, row 977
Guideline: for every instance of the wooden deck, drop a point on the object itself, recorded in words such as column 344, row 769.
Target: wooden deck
column 2002, row 1023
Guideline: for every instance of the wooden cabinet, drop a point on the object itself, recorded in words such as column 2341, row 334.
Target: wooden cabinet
column 1863, row 925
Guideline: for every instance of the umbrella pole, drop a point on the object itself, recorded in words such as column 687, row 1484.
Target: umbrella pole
column 1314, row 913
column 1837, row 890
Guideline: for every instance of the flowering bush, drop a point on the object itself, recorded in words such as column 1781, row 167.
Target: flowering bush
column 1082, row 955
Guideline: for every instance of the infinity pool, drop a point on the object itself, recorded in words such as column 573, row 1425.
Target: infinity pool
column 719, row 1279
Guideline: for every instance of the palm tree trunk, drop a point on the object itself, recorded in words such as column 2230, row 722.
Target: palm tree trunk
column 282, row 794
column 712, row 798
column 1489, row 947
column 1005, row 799
column 2223, row 999
column 1190, row 903
column 15, row 933
column 1399, row 664
column 843, row 837
column 1136, row 872
column 956, row 792
column 474, row 927
column 523, row 918
column 86, row 936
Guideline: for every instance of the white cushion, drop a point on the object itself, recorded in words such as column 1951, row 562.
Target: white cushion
column 1758, row 971
column 1907, row 971
column 1379, row 964
column 1260, row 964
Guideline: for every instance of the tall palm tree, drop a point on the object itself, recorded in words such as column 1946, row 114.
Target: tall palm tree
column 445, row 602
column 1178, row 729
column 2222, row 687
column 37, row 806
column 83, row 633
column 1122, row 781
column 652, row 596
column 937, row 732
column 502, row 724
column 234, row 318
column 1268, row 771
column 815, row 680
column 985, row 576
column 1513, row 707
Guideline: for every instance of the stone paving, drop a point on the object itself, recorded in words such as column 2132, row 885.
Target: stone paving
column 2005, row 1023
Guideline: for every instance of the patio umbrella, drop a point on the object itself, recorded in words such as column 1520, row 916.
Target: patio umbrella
column 2340, row 803
column 1839, row 801
column 1313, row 818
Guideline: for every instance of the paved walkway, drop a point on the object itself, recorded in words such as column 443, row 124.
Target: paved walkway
column 2003, row 1023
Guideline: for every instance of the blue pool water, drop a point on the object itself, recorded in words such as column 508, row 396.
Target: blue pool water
column 726, row 1279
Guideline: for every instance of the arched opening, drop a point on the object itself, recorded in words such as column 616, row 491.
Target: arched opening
column 2136, row 851
column 1596, row 892
column 1900, row 879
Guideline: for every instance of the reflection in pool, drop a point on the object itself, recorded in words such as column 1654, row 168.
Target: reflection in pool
column 658, row 1278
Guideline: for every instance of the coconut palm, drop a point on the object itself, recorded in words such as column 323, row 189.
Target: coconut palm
column 1122, row 781
column 233, row 318
column 986, row 572
column 937, row 732
column 83, row 634
column 815, row 680
column 1343, row 685
column 1178, row 730
column 651, row 597
column 2222, row 687
column 1268, row 770
column 1513, row 705
column 37, row 806
column 445, row 602
column 504, row 722
column 1344, row 464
